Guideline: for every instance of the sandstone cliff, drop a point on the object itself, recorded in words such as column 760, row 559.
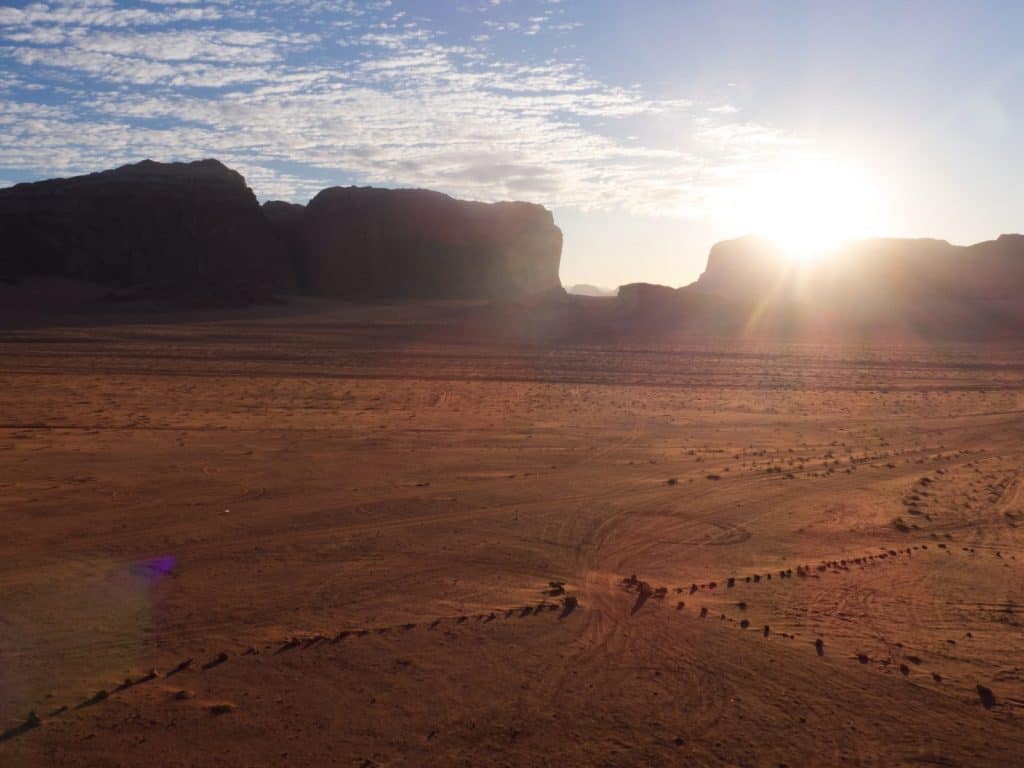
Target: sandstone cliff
column 195, row 232
column 906, row 288
column 185, row 231
column 878, row 268
column 367, row 243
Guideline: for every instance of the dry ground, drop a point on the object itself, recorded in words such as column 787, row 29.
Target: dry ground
column 365, row 510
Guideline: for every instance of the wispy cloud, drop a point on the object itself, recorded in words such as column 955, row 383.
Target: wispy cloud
column 302, row 93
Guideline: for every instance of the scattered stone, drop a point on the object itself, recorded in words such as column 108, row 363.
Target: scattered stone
column 182, row 667
column 988, row 699
column 216, row 661
column 96, row 698
column 569, row 604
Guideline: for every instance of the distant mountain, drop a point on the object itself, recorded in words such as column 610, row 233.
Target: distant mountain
column 195, row 233
column 585, row 289
column 879, row 287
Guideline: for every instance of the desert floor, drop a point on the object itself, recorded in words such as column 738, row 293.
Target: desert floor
column 352, row 529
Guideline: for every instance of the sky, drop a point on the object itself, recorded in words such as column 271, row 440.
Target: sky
column 652, row 129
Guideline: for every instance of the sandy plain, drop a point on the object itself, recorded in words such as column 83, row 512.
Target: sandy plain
column 404, row 536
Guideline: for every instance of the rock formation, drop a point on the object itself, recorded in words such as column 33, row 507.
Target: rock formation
column 366, row 243
column 195, row 232
column 908, row 288
column 184, row 231
column 645, row 297
column 887, row 268
column 741, row 268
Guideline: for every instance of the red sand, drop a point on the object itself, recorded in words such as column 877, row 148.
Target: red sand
column 174, row 491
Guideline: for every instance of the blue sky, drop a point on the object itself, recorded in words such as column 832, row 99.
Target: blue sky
column 652, row 129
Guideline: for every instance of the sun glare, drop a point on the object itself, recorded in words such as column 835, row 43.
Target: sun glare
column 807, row 209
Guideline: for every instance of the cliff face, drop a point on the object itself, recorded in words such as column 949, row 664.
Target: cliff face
column 872, row 269
column 187, row 231
column 368, row 243
column 285, row 220
column 641, row 297
column 741, row 267
column 195, row 232
column 899, row 288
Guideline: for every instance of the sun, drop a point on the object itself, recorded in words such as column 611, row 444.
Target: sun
column 807, row 207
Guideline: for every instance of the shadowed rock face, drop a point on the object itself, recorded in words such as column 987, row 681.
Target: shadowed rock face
column 286, row 221
column 903, row 287
column 367, row 243
column 889, row 268
column 194, row 232
column 640, row 296
column 741, row 267
column 185, row 231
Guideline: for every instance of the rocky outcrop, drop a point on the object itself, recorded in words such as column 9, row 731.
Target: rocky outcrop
column 184, row 231
column 594, row 291
column 877, row 269
column 740, row 268
column 195, row 232
column 366, row 243
column 652, row 309
column 644, row 297
column 893, row 288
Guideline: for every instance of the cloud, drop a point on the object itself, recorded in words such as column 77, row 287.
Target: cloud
column 103, row 13
column 302, row 93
